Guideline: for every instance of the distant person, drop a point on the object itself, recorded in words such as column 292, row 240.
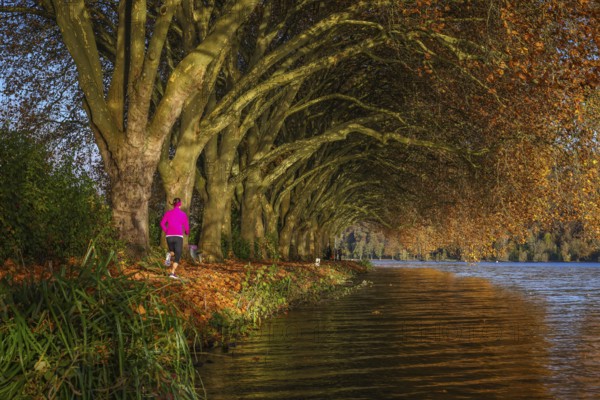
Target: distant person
column 174, row 224
column 328, row 253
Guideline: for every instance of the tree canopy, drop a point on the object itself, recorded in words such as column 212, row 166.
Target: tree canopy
column 291, row 120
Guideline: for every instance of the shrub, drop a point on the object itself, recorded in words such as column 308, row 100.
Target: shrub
column 240, row 247
column 48, row 210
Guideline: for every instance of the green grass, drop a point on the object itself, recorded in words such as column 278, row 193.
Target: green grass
column 88, row 335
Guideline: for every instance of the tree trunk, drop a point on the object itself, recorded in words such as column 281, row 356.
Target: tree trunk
column 286, row 236
column 131, row 175
column 178, row 175
column 293, row 249
column 248, row 216
column 302, row 240
column 218, row 157
column 212, row 222
column 251, row 210
column 226, row 226
column 321, row 242
column 270, row 218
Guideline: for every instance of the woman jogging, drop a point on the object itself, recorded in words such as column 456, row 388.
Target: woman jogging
column 175, row 223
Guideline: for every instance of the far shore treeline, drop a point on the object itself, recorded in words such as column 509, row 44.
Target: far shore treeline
column 359, row 242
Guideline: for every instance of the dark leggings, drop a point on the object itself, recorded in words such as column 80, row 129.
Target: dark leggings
column 175, row 244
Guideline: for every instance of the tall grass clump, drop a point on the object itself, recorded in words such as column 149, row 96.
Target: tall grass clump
column 84, row 334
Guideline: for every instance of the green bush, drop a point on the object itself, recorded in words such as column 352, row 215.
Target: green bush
column 225, row 245
column 240, row 247
column 89, row 335
column 367, row 264
column 48, row 209
column 271, row 242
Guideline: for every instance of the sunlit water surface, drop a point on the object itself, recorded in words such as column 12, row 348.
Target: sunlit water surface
column 429, row 331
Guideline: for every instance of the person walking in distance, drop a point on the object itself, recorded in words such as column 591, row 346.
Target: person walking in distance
column 174, row 224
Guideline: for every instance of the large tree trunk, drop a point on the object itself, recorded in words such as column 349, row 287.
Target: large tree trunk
column 286, row 237
column 212, row 222
column 271, row 232
column 271, row 217
column 320, row 243
column 218, row 155
column 226, row 228
column 251, row 219
column 259, row 230
column 178, row 175
column 131, row 172
column 302, row 238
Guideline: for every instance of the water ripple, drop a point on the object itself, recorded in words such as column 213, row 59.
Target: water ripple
column 429, row 331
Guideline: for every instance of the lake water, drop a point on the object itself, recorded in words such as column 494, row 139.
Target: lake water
column 429, row 331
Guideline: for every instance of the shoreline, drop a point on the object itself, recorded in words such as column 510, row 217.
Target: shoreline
column 227, row 300
column 234, row 294
column 113, row 321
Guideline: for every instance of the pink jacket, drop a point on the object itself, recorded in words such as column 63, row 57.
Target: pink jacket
column 175, row 223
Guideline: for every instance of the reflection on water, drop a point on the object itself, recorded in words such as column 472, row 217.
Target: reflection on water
column 429, row 331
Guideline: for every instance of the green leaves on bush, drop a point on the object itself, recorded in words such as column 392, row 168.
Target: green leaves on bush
column 48, row 210
column 237, row 245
